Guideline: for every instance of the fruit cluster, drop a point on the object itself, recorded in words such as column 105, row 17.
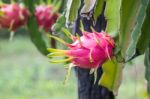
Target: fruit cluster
column 13, row 16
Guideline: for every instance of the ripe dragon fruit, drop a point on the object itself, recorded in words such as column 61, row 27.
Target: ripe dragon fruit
column 46, row 16
column 88, row 51
column 13, row 16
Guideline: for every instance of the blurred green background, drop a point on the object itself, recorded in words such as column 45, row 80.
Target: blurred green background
column 27, row 74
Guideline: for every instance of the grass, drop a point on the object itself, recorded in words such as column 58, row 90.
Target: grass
column 26, row 74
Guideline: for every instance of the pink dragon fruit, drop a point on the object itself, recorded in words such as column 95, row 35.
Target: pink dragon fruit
column 89, row 51
column 46, row 16
column 13, row 16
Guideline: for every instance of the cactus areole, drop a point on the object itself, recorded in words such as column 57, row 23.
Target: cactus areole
column 88, row 51
column 46, row 16
column 13, row 16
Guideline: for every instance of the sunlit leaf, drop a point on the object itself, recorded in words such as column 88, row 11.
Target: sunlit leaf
column 49, row 1
column 112, row 76
column 112, row 14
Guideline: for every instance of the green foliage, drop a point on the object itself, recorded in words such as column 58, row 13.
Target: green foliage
column 72, row 11
column 36, row 36
column 60, row 23
column 6, row 1
column 129, row 11
column 59, row 27
column 31, row 5
column 147, row 68
column 132, row 17
column 144, row 39
column 98, row 9
column 112, row 75
column 112, row 14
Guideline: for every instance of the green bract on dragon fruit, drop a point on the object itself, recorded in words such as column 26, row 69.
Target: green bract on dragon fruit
column 46, row 16
column 88, row 51
column 13, row 16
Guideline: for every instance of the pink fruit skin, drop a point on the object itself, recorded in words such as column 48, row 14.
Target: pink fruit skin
column 14, row 16
column 46, row 16
column 92, row 50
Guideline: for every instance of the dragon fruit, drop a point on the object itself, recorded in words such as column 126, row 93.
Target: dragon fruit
column 88, row 51
column 13, row 16
column 46, row 16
